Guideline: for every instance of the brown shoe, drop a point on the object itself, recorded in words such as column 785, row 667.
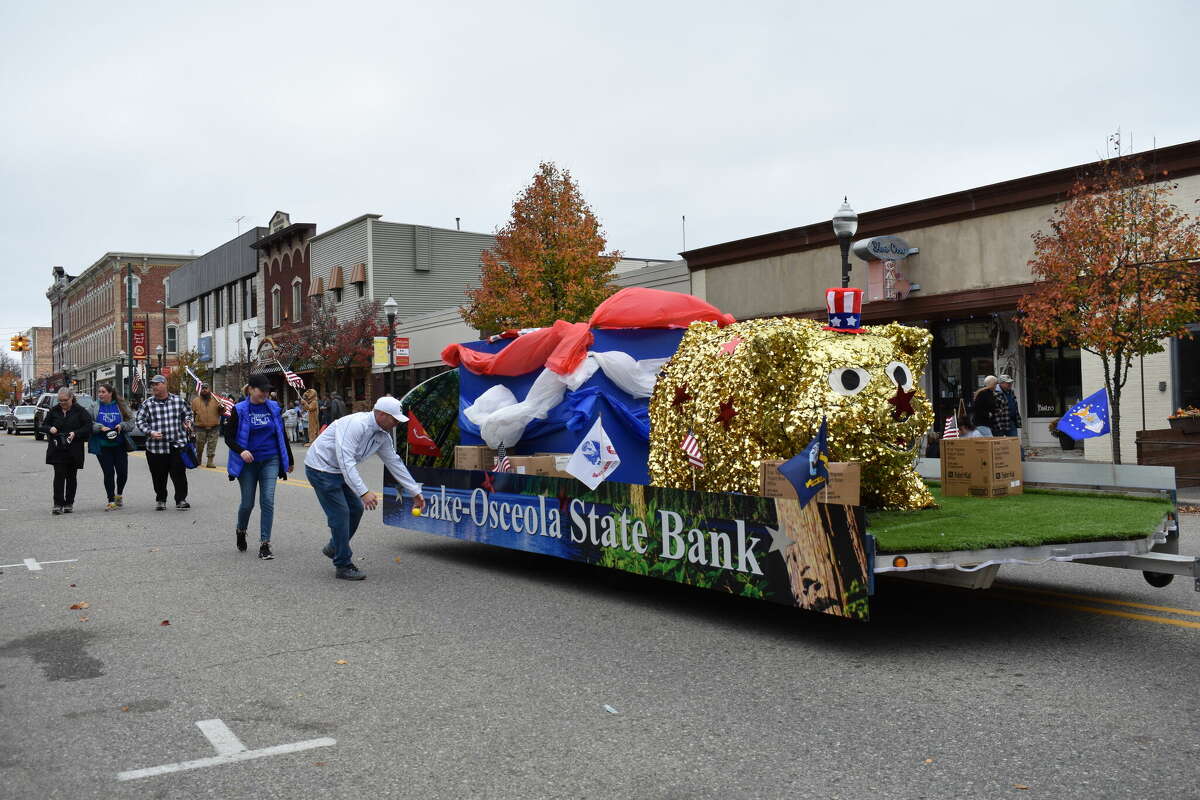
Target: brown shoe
column 211, row 465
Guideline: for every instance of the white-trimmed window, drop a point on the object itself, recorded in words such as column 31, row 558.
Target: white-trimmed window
column 297, row 300
column 134, row 285
column 275, row 303
column 172, row 339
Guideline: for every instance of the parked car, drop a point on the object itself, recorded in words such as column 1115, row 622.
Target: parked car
column 47, row 401
column 5, row 409
column 21, row 420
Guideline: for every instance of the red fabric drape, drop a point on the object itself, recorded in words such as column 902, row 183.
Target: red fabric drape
column 638, row 307
column 562, row 347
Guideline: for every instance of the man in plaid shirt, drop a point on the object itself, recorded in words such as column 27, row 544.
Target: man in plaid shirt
column 167, row 422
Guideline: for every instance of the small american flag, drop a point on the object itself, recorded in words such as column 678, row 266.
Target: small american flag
column 951, row 431
column 502, row 462
column 226, row 404
column 199, row 382
column 135, row 382
column 293, row 379
column 691, row 447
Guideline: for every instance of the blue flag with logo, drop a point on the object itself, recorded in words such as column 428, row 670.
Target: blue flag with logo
column 808, row 472
column 1087, row 418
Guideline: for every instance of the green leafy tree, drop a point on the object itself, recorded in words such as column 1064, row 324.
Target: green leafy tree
column 549, row 261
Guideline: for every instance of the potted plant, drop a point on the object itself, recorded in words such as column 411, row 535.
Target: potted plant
column 1185, row 420
column 1064, row 441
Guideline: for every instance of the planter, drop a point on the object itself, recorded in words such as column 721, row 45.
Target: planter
column 1065, row 442
column 1185, row 424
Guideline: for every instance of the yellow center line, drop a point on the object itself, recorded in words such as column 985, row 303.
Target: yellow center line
column 1107, row 601
column 1108, row 611
column 289, row 482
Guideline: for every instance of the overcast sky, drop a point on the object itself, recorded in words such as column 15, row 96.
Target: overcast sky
column 150, row 126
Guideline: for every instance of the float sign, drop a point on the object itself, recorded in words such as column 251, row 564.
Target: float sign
column 766, row 548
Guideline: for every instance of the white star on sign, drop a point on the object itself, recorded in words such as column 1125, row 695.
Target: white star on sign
column 779, row 539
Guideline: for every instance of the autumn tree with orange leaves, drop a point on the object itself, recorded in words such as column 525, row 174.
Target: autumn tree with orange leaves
column 1112, row 277
column 549, row 261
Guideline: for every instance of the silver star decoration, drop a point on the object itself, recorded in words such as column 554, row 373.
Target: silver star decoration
column 852, row 321
column 835, row 321
column 779, row 539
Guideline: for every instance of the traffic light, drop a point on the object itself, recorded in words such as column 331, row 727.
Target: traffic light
column 14, row 344
column 24, row 344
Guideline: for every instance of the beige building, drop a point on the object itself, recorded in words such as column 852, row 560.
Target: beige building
column 958, row 264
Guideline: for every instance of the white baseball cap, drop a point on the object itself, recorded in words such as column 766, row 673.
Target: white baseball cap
column 391, row 406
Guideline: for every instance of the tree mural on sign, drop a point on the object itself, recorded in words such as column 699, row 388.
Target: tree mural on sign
column 548, row 263
column 1113, row 275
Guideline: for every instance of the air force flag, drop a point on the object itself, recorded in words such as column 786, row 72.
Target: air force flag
column 595, row 458
column 1087, row 418
column 809, row 471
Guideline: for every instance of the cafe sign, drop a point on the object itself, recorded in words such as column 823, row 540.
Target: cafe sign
column 883, row 248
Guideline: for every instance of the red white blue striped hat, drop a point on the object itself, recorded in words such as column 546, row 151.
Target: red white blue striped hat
column 845, row 310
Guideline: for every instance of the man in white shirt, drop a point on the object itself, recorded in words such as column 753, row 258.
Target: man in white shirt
column 331, row 466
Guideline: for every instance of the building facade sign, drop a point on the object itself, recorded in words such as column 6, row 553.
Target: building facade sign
column 883, row 248
column 140, row 350
column 204, row 346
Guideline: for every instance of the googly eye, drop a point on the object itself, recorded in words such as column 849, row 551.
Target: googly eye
column 849, row 381
column 900, row 375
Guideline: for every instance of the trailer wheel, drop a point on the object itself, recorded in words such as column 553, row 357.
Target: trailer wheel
column 1158, row 579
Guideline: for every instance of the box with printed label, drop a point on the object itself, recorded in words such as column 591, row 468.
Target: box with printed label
column 845, row 478
column 982, row 467
column 474, row 457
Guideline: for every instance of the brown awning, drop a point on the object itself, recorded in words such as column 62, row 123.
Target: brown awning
column 316, row 288
column 359, row 274
column 335, row 279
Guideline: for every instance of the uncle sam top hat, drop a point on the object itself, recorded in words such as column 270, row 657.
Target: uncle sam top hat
column 845, row 310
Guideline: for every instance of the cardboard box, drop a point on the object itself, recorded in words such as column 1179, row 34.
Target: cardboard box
column 474, row 457
column 552, row 464
column 845, row 480
column 982, row 467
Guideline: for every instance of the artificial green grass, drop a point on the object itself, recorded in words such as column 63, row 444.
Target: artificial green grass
column 1034, row 518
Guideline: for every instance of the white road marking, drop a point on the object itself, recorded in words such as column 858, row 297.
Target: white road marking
column 224, row 740
column 33, row 565
column 230, row 750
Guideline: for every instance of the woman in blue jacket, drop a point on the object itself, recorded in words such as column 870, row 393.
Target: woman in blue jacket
column 259, row 453
column 110, row 442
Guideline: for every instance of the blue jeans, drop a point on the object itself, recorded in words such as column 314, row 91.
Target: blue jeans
column 343, row 510
column 263, row 475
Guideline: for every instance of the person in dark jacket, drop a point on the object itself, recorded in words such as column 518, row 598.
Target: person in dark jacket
column 67, row 426
column 984, row 406
column 259, row 454
column 337, row 407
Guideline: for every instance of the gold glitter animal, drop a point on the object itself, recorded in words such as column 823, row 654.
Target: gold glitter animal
column 758, row 389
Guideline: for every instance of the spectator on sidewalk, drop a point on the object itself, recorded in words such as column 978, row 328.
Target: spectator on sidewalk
column 207, row 412
column 983, row 406
column 67, row 426
column 1007, row 397
column 312, row 408
column 110, row 442
column 167, row 421
column 259, row 454
column 301, row 423
column 331, row 466
column 337, row 407
column 290, row 421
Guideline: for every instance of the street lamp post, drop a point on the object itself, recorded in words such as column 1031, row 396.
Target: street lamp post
column 845, row 224
column 390, row 308
column 249, row 336
column 159, row 351
column 120, row 382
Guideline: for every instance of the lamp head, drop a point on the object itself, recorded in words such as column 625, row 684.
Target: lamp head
column 845, row 221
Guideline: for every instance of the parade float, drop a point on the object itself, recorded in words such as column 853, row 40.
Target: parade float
column 775, row 459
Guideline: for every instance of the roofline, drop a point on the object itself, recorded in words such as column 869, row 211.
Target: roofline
column 344, row 225
column 1045, row 188
column 295, row 229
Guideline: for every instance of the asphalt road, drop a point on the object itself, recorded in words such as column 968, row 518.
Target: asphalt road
column 458, row 670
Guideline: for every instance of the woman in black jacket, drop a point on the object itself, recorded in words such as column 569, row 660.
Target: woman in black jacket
column 984, row 405
column 67, row 426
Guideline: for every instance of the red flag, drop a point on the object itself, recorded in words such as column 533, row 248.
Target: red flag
column 419, row 441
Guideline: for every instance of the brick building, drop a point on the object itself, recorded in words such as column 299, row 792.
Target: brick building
column 90, row 321
column 37, row 361
column 283, row 276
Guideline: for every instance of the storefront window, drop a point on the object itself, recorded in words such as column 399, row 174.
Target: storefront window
column 1053, row 380
column 1187, row 369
